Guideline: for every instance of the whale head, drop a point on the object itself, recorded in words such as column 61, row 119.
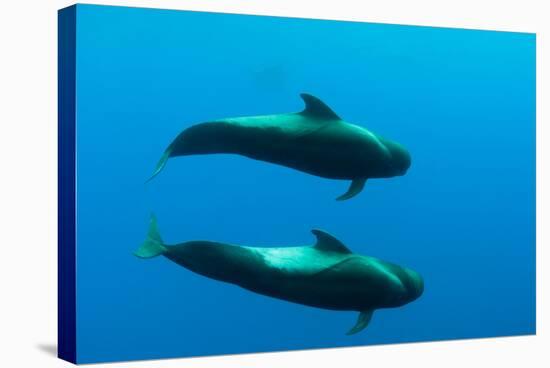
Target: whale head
column 414, row 285
column 406, row 287
column 400, row 158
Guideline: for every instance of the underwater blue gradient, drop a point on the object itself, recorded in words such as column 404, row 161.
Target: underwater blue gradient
column 462, row 102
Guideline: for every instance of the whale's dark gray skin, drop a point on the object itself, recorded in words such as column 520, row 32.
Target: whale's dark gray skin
column 327, row 275
column 315, row 141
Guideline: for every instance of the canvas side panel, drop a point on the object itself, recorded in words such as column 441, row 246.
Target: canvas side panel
column 66, row 184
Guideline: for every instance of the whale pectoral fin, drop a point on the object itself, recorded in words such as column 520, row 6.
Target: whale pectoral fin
column 362, row 322
column 355, row 188
column 161, row 163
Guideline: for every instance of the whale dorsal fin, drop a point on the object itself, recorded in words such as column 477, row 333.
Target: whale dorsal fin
column 317, row 108
column 327, row 242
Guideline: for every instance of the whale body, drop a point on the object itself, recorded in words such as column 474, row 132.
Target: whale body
column 327, row 275
column 315, row 141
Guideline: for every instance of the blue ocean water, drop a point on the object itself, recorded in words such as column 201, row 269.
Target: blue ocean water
column 461, row 101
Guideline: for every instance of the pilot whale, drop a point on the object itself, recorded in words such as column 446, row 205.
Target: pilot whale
column 315, row 141
column 327, row 275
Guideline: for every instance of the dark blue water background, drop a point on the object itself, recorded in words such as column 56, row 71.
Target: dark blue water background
column 462, row 102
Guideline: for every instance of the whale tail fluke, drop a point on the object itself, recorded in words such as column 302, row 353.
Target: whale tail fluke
column 161, row 163
column 153, row 245
column 362, row 322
